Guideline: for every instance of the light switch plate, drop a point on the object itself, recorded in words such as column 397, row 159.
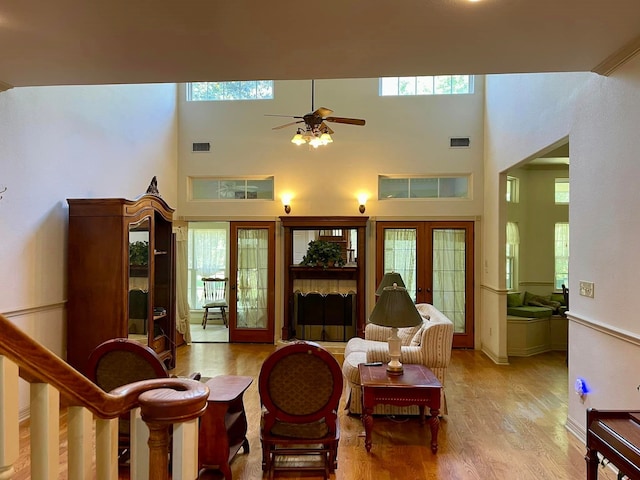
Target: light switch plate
column 586, row 289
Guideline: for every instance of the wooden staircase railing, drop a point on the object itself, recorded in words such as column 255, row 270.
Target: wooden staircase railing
column 160, row 403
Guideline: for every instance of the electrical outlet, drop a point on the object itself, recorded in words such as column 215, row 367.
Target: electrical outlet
column 586, row 289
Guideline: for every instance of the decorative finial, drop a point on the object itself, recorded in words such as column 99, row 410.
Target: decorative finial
column 152, row 189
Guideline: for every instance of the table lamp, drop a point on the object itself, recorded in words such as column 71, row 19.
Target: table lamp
column 395, row 309
column 389, row 279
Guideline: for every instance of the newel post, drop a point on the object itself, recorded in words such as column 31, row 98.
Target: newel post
column 163, row 407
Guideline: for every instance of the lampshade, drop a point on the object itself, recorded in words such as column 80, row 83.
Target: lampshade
column 395, row 308
column 326, row 138
column 315, row 142
column 388, row 280
column 298, row 139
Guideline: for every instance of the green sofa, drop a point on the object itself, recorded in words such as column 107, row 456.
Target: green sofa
column 530, row 305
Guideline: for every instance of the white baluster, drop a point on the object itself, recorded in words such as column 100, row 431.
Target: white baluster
column 139, row 439
column 185, row 450
column 80, row 443
column 107, row 449
column 45, row 431
column 9, row 428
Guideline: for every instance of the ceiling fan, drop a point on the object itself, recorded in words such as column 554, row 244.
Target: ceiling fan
column 316, row 130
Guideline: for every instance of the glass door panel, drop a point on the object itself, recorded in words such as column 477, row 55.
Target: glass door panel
column 400, row 256
column 251, row 308
column 435, row 261
column 449, row 273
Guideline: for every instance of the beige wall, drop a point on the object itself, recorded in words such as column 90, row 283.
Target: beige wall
column 403, row 135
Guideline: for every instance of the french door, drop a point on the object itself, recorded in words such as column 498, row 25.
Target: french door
column 435, row 261
column 252, row 282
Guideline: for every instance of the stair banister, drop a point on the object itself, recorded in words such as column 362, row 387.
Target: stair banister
column 162, row 402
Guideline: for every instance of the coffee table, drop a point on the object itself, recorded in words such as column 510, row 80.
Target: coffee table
column 416, row 386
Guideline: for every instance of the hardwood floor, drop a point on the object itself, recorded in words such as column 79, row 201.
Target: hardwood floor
column 504, row 422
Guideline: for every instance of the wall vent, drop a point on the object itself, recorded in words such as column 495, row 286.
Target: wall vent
column 201, row 147
column 459, row 142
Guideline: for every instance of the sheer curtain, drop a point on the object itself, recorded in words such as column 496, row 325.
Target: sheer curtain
column 449, row 274
column 400, row 255
column 207, row 257
column 561, row 254
column 252, row 286
column 182, row 303
column 513, row 240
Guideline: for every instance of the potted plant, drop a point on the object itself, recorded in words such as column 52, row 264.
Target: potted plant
column 323, row 253
column 138, row 258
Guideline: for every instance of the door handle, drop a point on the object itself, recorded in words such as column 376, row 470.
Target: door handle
column 232, row 287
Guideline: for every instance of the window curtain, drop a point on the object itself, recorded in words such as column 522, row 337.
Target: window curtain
column 252, row 285
column 513, row 234
column 182, row 303
column 400, row 246
column 513, row 240
column 449, row 255
column 561, row 254
column 207, row 257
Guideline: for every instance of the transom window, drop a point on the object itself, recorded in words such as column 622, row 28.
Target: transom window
column 422, row 187
column 426, row 85
column 225, row 188
column 212, row 91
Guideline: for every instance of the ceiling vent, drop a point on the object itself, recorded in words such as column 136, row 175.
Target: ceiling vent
column 198, row 147
column 459, row 142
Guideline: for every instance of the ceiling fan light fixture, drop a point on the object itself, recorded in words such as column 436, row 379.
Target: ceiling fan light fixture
column 325, row 138
column 298, row 139
column 315, row 142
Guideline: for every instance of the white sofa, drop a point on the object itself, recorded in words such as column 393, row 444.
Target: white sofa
column 429, row 344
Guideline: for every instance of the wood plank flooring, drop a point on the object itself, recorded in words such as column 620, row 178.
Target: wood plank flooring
column 504, row 422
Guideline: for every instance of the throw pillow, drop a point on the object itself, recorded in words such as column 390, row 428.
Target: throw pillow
column 539, row 301
column 514, row 300
column 527, row 297
column 558, row 297
column 406, row 334
column 416, row 341
column 423, row 308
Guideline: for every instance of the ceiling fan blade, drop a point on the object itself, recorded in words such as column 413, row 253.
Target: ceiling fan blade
column 287, row 124
column 324, row 128
column 323, row 112
column 350, row 121
column 275, row 115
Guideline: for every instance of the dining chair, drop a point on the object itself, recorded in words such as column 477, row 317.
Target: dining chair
column 215, row 298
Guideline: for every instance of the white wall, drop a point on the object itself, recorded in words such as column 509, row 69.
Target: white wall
column 599, row 115
column 403, row 135
column 71, row 142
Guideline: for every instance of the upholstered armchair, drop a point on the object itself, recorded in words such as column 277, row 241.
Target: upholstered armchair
column 429, row 344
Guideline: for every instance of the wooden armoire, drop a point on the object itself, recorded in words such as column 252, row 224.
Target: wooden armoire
column 121, row 275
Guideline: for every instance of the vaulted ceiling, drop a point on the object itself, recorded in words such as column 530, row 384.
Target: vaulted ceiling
column 67, row 42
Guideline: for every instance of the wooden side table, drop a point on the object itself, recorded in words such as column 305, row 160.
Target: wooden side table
column 416, row 386
column 223, row 427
